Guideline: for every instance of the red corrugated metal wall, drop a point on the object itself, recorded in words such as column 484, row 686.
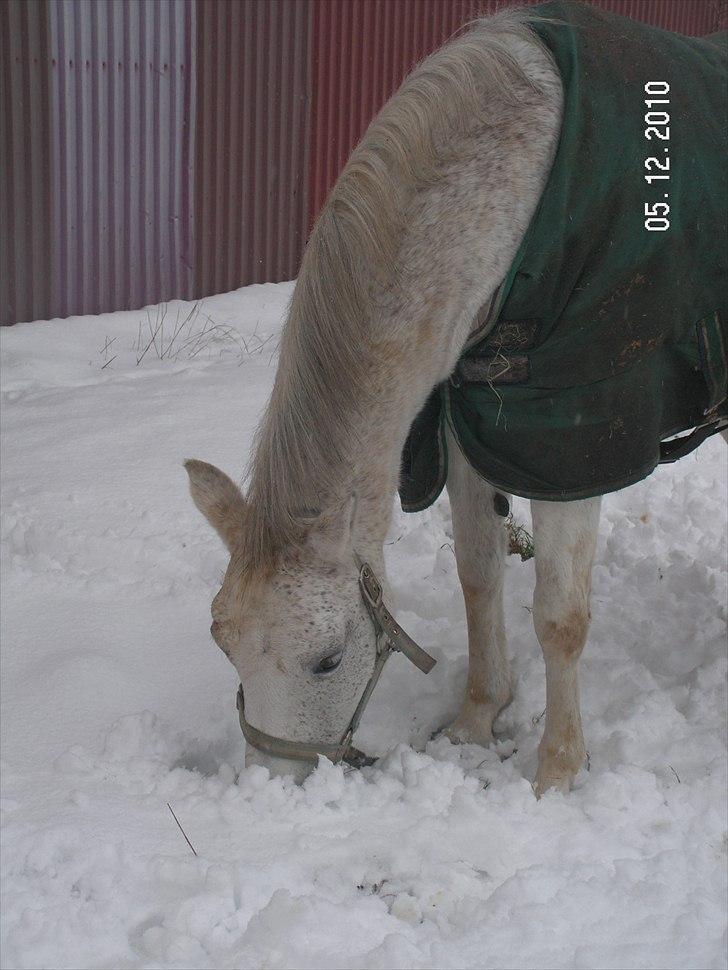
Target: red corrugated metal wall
column 251, row 149
column 152, row 149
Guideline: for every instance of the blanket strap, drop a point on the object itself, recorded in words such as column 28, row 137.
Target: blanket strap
column 677, row 448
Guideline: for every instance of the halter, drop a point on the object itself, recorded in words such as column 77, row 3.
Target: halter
column 390, row 638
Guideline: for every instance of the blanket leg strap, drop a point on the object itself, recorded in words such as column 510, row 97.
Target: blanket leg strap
column 677, row 448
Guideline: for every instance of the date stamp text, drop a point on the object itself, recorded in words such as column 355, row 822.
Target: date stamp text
column 657, row 165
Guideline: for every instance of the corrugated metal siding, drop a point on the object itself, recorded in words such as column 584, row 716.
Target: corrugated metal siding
column 122, row 116
column 25, row 161
column 363, row 49
column 251, row 153
column 152, row 149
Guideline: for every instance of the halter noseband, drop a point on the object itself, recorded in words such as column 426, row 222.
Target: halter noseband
column 390, row 638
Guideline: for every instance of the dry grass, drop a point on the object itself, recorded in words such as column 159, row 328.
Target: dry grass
column 105, row 350
column 189, row 335
column 520, row 542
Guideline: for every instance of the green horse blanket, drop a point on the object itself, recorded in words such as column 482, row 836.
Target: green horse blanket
column 605, row 338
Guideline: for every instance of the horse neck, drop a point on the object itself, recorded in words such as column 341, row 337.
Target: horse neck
column 408, row 348
column 400, row 333
column 400, row 381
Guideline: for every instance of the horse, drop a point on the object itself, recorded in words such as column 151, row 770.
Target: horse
column 415, row 239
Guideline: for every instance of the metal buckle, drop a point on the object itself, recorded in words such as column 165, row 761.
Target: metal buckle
column 370, row 586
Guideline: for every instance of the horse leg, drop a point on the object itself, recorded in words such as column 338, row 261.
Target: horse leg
column 564, row 536
column 480, row 549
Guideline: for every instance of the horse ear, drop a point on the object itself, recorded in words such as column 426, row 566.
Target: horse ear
column 219, row 499
column 332, row 532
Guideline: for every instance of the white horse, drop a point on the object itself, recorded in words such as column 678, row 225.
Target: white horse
column 416, row 237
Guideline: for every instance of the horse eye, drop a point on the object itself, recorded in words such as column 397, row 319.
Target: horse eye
column 329, row 663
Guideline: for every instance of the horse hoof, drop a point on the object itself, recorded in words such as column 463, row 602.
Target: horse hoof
column 561, row 783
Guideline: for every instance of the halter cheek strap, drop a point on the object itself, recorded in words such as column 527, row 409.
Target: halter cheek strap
column 384, row 622
column 390, row 638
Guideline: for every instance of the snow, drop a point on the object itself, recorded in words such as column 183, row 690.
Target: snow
column 115, row 702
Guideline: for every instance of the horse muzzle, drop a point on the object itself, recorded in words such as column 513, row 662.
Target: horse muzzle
column 272, row 751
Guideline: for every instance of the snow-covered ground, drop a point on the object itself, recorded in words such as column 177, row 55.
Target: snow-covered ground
column 115, row 702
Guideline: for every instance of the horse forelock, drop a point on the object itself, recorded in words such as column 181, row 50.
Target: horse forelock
column 306, row 443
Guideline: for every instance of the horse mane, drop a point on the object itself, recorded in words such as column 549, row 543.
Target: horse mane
column 306, row 442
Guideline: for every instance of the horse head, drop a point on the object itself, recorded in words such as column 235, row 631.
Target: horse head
column 297, row 631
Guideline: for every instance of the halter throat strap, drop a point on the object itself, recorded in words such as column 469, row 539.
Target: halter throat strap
column 390, row 638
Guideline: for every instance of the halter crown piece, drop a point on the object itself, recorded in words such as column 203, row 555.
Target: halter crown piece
column 390, row 638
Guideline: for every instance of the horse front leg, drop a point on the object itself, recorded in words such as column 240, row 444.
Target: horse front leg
column 564, row 536
column 480, row 550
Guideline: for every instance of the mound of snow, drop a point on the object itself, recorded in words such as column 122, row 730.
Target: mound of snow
column 115, row 703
